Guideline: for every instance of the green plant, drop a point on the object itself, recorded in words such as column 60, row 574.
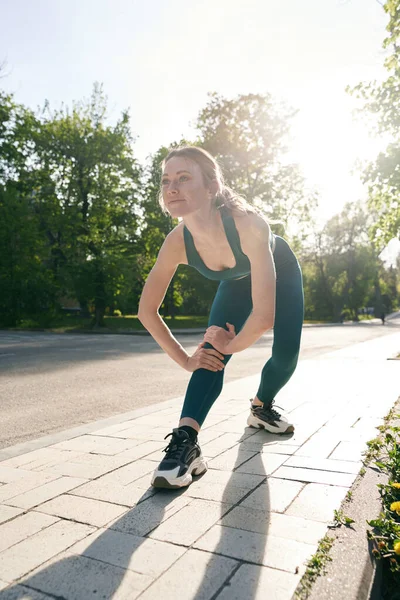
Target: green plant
column 341, row 519
column 315, row 567
column 385, row 536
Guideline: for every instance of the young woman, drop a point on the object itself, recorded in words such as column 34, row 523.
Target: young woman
column 225, row 239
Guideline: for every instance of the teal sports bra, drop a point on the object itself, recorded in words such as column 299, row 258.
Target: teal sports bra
column 242, row 266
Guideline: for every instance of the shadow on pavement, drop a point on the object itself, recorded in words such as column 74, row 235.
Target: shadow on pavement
column 105, row 568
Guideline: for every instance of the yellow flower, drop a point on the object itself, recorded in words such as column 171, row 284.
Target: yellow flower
column 395, row 506
column 396, row 547
column 396, row 485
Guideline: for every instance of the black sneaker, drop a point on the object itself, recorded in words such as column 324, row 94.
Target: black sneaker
column 266, row 417
column 182, row 459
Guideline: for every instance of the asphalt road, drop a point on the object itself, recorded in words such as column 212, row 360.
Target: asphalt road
column 52, row 382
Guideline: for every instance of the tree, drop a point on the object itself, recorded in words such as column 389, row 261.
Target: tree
column 27, row 286
column 383, row 101
column 88, row 199
column 343, row 271
column 248, row 136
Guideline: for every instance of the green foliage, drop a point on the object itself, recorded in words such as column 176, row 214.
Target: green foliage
column 342, row 272
column 385, row 536
column 382, row 101
column 248, row 135
column 316, row 566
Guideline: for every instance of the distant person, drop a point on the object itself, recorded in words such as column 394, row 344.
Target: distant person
column 383, row 317
column 225, row 239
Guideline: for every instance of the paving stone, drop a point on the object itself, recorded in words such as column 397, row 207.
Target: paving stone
column 220, row 444
column 97, row 444
column 274, row 495
column 278, row 448
column 142, row 450
column 82, row 510
column 8, row 512
column 315, row 476
column 128, row 473
column 10, row 474
column 207, row 435
column 348, row 451
column 276, row 524
column 270, row 551
column 260, row 583
column 50, row 458
column 321, row 444
column 142, row 432
column 230, row 459
column 40, row 456
column 40, row 547
column 232, row 479
column 29, row 482
column 80, row 578
column 233, row 425
column 45, row 492
column 263, row 464
column 108, row 462
column 20, row 592
column 158, row 419
column 132, row 552
column 115, row 493
column 111, row 429
column 273, row 447
column 147, row 515
column 73, row 469
column 264, row 438
column 23, row 527
column 216, row 492
column 324, row 464
column 206, row 574
column 190, row 522
column 317, row 502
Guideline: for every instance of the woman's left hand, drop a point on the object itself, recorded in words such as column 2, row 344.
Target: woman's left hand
column 219, row 337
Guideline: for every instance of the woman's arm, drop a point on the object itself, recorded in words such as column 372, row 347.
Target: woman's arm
column 170, row 256
column 254, row 235
column 153, row 294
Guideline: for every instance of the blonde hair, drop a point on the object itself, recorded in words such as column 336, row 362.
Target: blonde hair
column 211, row 171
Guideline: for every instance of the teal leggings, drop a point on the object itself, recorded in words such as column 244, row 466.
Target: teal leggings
column 233, row 304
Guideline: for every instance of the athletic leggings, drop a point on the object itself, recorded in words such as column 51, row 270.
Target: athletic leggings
column 233, row 304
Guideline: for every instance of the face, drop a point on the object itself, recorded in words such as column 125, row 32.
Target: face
column 183, row 187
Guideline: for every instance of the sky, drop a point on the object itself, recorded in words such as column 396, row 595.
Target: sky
column 160, row 59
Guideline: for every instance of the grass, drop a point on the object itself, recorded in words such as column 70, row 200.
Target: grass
column 65, row 323
column 127, row 323
column 315, row 567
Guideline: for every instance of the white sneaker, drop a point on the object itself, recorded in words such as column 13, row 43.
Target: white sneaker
column 182, row 460
column 266, row 417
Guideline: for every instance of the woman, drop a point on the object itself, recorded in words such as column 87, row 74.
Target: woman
column 225, row 239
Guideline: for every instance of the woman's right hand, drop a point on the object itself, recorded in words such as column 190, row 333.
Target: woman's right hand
column 205, row 358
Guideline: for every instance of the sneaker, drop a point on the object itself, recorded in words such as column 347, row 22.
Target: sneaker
column 266, row 417
column 182, row 459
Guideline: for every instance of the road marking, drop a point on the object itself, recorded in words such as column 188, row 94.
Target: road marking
column 8, row 354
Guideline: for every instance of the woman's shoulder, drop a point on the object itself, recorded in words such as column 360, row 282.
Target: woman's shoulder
column 176, row 243
column 250, row 224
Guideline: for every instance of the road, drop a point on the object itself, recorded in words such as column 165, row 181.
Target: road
column 52, row 382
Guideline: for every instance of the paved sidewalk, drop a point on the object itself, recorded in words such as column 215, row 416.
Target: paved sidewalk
column 79, row 520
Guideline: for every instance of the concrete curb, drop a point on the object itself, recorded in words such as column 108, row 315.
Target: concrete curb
column 353, row 573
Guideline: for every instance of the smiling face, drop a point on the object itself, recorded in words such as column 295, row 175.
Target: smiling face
column 183, row 187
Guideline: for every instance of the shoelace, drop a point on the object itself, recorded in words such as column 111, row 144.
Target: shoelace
column 176, row 446
column 269, row 410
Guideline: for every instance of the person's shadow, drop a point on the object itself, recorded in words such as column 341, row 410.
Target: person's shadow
column 115, row 563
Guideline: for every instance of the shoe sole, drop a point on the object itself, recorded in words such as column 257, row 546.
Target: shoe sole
column 256, row 423
column 197, row 467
